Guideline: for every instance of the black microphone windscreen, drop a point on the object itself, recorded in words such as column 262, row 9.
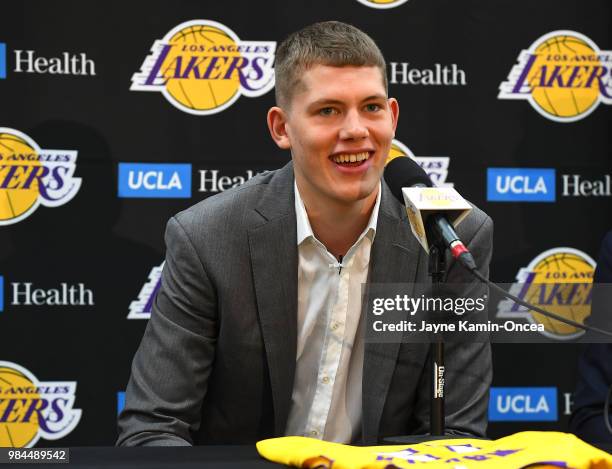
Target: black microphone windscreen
column 405, row 172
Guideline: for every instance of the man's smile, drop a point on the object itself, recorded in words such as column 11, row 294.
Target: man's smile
column 351, row 159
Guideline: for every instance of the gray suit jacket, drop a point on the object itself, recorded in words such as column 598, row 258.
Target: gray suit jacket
column 217, row 360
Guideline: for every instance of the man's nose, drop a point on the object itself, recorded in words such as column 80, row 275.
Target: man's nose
column 353, row 127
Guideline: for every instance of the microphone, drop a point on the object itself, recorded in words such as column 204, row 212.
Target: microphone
column 429, row 208
column 407, row 180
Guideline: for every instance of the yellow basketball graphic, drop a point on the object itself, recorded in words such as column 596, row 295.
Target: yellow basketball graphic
column 14, row 387
column 560, row 281
column 199, row 93
column 382, row 3
column 18, row 158
column 550, row 90
column 395, row 152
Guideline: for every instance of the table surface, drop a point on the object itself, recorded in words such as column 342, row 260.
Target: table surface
column 224, row 457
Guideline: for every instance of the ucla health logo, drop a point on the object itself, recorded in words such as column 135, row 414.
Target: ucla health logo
column 141, row 307
column 523, row 404
column 28, row 294
column 152, row 180
column 120, row 401
column 2, row 60
column 202, row 67
column 563, row 75
column 559, row 280
column 32, row 409
column 520, row 185
column 31, row 176
column 382, row 4
column 436, row 167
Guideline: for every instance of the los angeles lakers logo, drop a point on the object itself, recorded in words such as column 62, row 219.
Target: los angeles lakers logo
column 382, row 4
column 31, row 176
column 563, row 75
column 32, row 409
column 202, row 67
column 436, row 167
column 559, row 280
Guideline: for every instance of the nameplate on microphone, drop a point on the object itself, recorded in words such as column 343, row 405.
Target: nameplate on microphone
column 424, row 201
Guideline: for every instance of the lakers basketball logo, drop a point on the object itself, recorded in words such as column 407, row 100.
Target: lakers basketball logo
column 436, row 167
column 32, row 409
column 563, row 75
column 141, row 308
column 202, row 67
column 559, row 280
column 382, row 4
column 31, row 176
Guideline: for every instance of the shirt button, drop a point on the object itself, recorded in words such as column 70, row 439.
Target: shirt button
column 325, row 380
column 314, row 433
column 335, row 326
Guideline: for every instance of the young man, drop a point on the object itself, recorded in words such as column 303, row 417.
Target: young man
column 257, row 330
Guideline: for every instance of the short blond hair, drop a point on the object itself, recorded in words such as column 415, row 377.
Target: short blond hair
column 327, row 43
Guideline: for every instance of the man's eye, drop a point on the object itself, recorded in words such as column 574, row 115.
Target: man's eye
column 372, row 107
column 327, row 111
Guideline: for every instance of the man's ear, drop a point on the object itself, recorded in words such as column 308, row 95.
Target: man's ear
column 394, row 107
column 277, row 124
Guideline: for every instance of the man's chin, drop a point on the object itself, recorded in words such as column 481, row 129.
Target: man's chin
column 350, row 197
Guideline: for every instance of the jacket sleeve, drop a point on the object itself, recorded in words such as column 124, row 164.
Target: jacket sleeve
column 172, row 365
column 595, row 364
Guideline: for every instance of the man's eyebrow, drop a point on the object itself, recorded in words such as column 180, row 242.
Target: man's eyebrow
column 328, row 101
column 325, row 101
column 375, row 96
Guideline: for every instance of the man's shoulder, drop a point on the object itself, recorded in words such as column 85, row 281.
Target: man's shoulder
column 476, row 221
column 232, row 207
column 478, row 217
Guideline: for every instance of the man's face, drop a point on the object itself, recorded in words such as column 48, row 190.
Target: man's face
column 339, row 127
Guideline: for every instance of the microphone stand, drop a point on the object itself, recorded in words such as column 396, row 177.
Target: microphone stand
column 436, row 269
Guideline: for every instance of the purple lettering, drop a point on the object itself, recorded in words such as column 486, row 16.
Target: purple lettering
column 192, row 65
column 236, row 65
column 598, row 73
column 258, row 69
column 12, row 169
column 37, row 172
column 59, row 178
column 504, row 452
column 575, row 74
column 523, row 76
column 555, row 76
column 160, row 60
column 555, row 294
column 57, row 409
column 10, row 407
column 212, row 67
column 36, row 405
column 524, row 290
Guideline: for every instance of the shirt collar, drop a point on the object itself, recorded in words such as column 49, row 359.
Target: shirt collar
column 304, row 230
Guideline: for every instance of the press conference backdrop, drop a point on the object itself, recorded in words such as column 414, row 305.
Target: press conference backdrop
column 116, row 115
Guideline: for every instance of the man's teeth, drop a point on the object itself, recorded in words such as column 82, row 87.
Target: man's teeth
column 351, row 158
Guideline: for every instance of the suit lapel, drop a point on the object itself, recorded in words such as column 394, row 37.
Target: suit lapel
column 273, row 250
column 394, row 259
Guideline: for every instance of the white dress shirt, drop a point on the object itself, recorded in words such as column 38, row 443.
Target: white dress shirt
column 326, row 399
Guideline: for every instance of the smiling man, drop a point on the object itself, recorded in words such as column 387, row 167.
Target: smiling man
column 257, row 330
